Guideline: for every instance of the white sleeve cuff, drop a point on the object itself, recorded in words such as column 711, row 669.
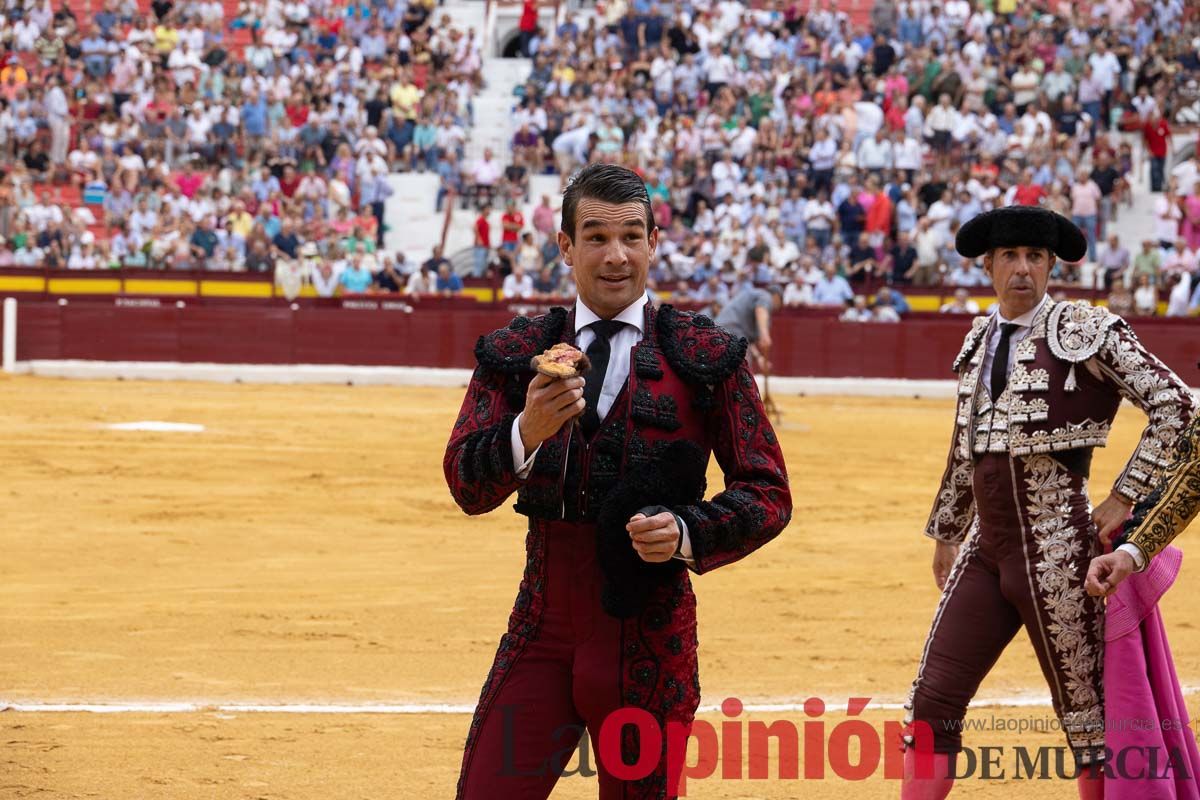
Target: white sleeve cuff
column 520, row 463
column 685, row 543
column 1139, row 561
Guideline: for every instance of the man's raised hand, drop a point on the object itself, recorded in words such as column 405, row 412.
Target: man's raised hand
column 549, row 403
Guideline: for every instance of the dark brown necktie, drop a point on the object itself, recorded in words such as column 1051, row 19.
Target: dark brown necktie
column 1000, row 362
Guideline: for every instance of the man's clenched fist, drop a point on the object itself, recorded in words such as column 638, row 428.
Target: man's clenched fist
column 1106, row 573
column 655, row 538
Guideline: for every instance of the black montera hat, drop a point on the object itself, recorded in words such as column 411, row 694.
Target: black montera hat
column 1021, row 226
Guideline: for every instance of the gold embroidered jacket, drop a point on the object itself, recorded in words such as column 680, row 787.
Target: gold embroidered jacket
column 1175, row 501
column 1068, row 377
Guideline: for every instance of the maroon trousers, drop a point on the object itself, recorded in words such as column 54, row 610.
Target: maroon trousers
column 1025, row 565
column 565, row 681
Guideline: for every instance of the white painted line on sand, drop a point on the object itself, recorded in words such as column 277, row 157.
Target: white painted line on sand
column 217, row 706
column 156, row 426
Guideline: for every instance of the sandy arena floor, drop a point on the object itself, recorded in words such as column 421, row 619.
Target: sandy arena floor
column 304, row 548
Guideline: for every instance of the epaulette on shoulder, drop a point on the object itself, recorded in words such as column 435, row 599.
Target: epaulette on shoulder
column 697, row 348
column 974, row 337
column 511, row 348
column 1076, row 330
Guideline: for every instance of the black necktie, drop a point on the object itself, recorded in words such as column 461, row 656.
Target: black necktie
column 597, row 352
column 1000, row 361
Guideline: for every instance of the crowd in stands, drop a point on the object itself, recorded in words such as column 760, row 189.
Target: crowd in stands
column 782, row 141
column 220, row 134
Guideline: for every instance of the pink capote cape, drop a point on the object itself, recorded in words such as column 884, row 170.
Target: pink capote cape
column 1140, row 685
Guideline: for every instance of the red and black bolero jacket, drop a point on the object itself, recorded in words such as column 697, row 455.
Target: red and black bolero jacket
column 688, row 382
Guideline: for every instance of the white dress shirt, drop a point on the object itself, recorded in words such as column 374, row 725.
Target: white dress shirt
column 1025, row 321
column 615, row 377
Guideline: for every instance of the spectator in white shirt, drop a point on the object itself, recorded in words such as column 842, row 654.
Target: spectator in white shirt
column 907, row 155
column 1180, row 293
column 727, row 175
column 939, row 125
column 1105, row 66
column 370, row 143
column 485, row 174
column 517, row 284
column 961, row 304
column 941, row 212
column 822, row 157
column 928, row 244
column 819, row 217
column 719, row 69
column 58, row 114
column 1145, row 297
column 421, row 281
column 1179, row 259
column 859, row 311
column 876, row 154
column 797, row 293
column 1167, row 215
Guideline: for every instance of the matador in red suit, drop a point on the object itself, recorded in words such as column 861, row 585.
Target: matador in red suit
column 609, row 469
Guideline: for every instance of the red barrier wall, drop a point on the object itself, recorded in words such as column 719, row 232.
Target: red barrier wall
column 811, row 343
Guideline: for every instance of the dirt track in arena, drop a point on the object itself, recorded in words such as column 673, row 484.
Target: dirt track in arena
column 304, row 549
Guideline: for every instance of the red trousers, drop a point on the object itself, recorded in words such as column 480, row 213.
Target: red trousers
column 565, row 681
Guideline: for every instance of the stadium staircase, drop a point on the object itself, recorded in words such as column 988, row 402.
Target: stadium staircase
column 413, row 224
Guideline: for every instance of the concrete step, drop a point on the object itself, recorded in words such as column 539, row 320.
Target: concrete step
column 1135, row 224
column 413, row 226
column 464, row 13
column 494, row 106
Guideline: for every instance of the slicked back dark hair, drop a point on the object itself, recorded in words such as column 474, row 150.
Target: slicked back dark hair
column 607, row 183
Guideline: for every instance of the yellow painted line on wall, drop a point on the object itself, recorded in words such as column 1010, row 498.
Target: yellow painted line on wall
column 84, row 286
column 235, row 289
column 159, row 286
column 931, row 302
column 481, row 293
column 22, row 283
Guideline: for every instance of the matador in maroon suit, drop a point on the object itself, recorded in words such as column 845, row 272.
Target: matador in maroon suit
column 605, row 616
column 1039, row 385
